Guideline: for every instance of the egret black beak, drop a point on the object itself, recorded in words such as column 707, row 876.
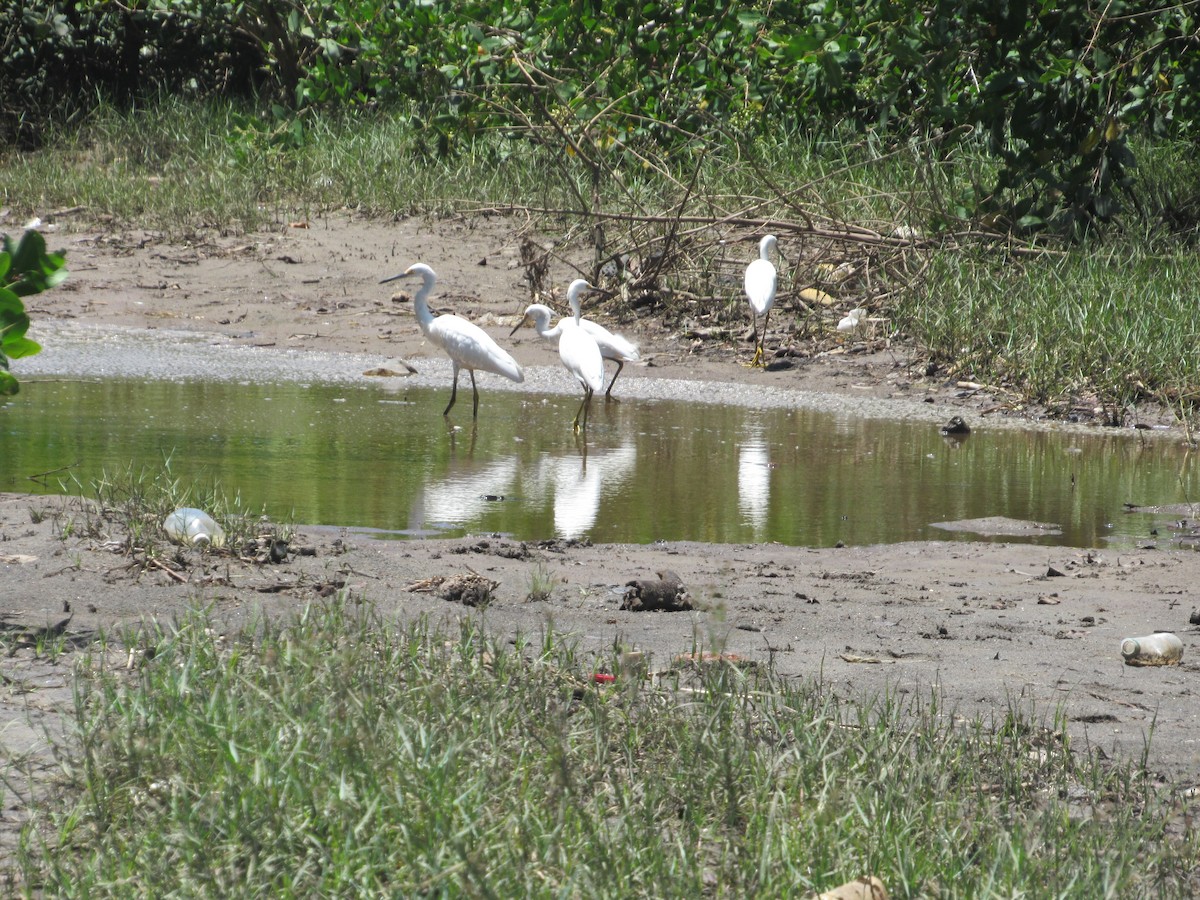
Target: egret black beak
column 392, row 278
column 516, row 328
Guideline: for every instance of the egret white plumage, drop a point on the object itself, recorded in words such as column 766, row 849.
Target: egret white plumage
column 577, row 349
column 761, row 280
column 612, row 346
column 468, row 346
column 851, row 319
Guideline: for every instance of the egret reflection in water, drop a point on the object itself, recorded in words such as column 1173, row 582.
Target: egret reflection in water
column 754, row 482
column 325, row 454
column 580, row 483
column 463, row 495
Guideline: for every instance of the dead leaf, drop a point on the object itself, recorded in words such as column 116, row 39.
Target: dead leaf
column 859, row 889
column 855, row 658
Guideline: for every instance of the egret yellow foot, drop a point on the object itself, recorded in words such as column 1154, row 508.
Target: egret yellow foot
column 757, row 362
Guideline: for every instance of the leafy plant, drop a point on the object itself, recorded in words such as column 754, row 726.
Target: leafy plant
column 25, row 268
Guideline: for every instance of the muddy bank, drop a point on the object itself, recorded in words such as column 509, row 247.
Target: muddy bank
column 987, row 625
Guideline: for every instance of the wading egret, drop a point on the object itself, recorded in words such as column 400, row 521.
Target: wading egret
column 468, row 346
column 577, row 349
column 760, row 290
column 612, row 346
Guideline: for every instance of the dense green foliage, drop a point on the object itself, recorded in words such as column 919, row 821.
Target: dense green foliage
column 1054, row 87
column 25, row 268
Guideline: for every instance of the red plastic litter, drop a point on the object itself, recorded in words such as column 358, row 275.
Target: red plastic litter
column 604, row 678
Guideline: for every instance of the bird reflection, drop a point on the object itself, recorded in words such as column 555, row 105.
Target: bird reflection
column 579, row 483
column 754, row 482
column 463, row 495
column 454, row 431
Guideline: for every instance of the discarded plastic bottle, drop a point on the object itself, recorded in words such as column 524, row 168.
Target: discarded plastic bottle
column 193, row 526
column 1159, row 649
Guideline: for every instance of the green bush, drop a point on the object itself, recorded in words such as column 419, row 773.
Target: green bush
column 1055, row 87
column 25, row 268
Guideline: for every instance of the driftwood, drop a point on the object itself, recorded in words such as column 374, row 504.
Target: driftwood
column 666, row 594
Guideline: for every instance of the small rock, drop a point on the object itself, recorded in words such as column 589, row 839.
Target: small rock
column 956, row 425
column 667, row 594
column 469, row 590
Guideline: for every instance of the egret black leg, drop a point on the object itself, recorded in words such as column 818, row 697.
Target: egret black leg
column 453, row 393
column 760, row 340
column 583, row 409
column 475, row 394
column 620, row 366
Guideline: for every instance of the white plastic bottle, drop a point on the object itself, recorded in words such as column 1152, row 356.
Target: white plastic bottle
column 188, row 525
column 1159, row 649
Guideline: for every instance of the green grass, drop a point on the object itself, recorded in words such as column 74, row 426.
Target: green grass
column 127, row 508
column 1109, row 322
column 342, row 755
column 1117, row 326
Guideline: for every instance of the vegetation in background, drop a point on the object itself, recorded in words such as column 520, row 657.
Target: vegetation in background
column 917, row 159
column 25, row 268
column 339, row 753
column 1054, row 89
column 1107, row 324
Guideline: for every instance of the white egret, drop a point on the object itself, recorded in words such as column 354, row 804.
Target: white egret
column 612, row 346
column 852, row 319
column 761, row 279
column 577, row 349
column 468, row 346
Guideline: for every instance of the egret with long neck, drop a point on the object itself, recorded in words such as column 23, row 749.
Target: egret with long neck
column 760, row 283
column 468, row 346
column 612, row 346
column 577, row 349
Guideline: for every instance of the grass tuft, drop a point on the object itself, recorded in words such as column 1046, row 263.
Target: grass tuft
column 127, row 508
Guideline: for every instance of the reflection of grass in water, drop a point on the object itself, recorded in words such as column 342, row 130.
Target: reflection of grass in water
column 340, row 754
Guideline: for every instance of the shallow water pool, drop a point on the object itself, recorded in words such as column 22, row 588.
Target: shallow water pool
column 381, row 457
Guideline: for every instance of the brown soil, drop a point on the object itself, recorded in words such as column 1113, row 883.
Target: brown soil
column 987, row 625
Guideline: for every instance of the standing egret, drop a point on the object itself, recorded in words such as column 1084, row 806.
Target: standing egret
column 577, row 349
column 468, row 346
column 612, row 346
column 761, row 280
